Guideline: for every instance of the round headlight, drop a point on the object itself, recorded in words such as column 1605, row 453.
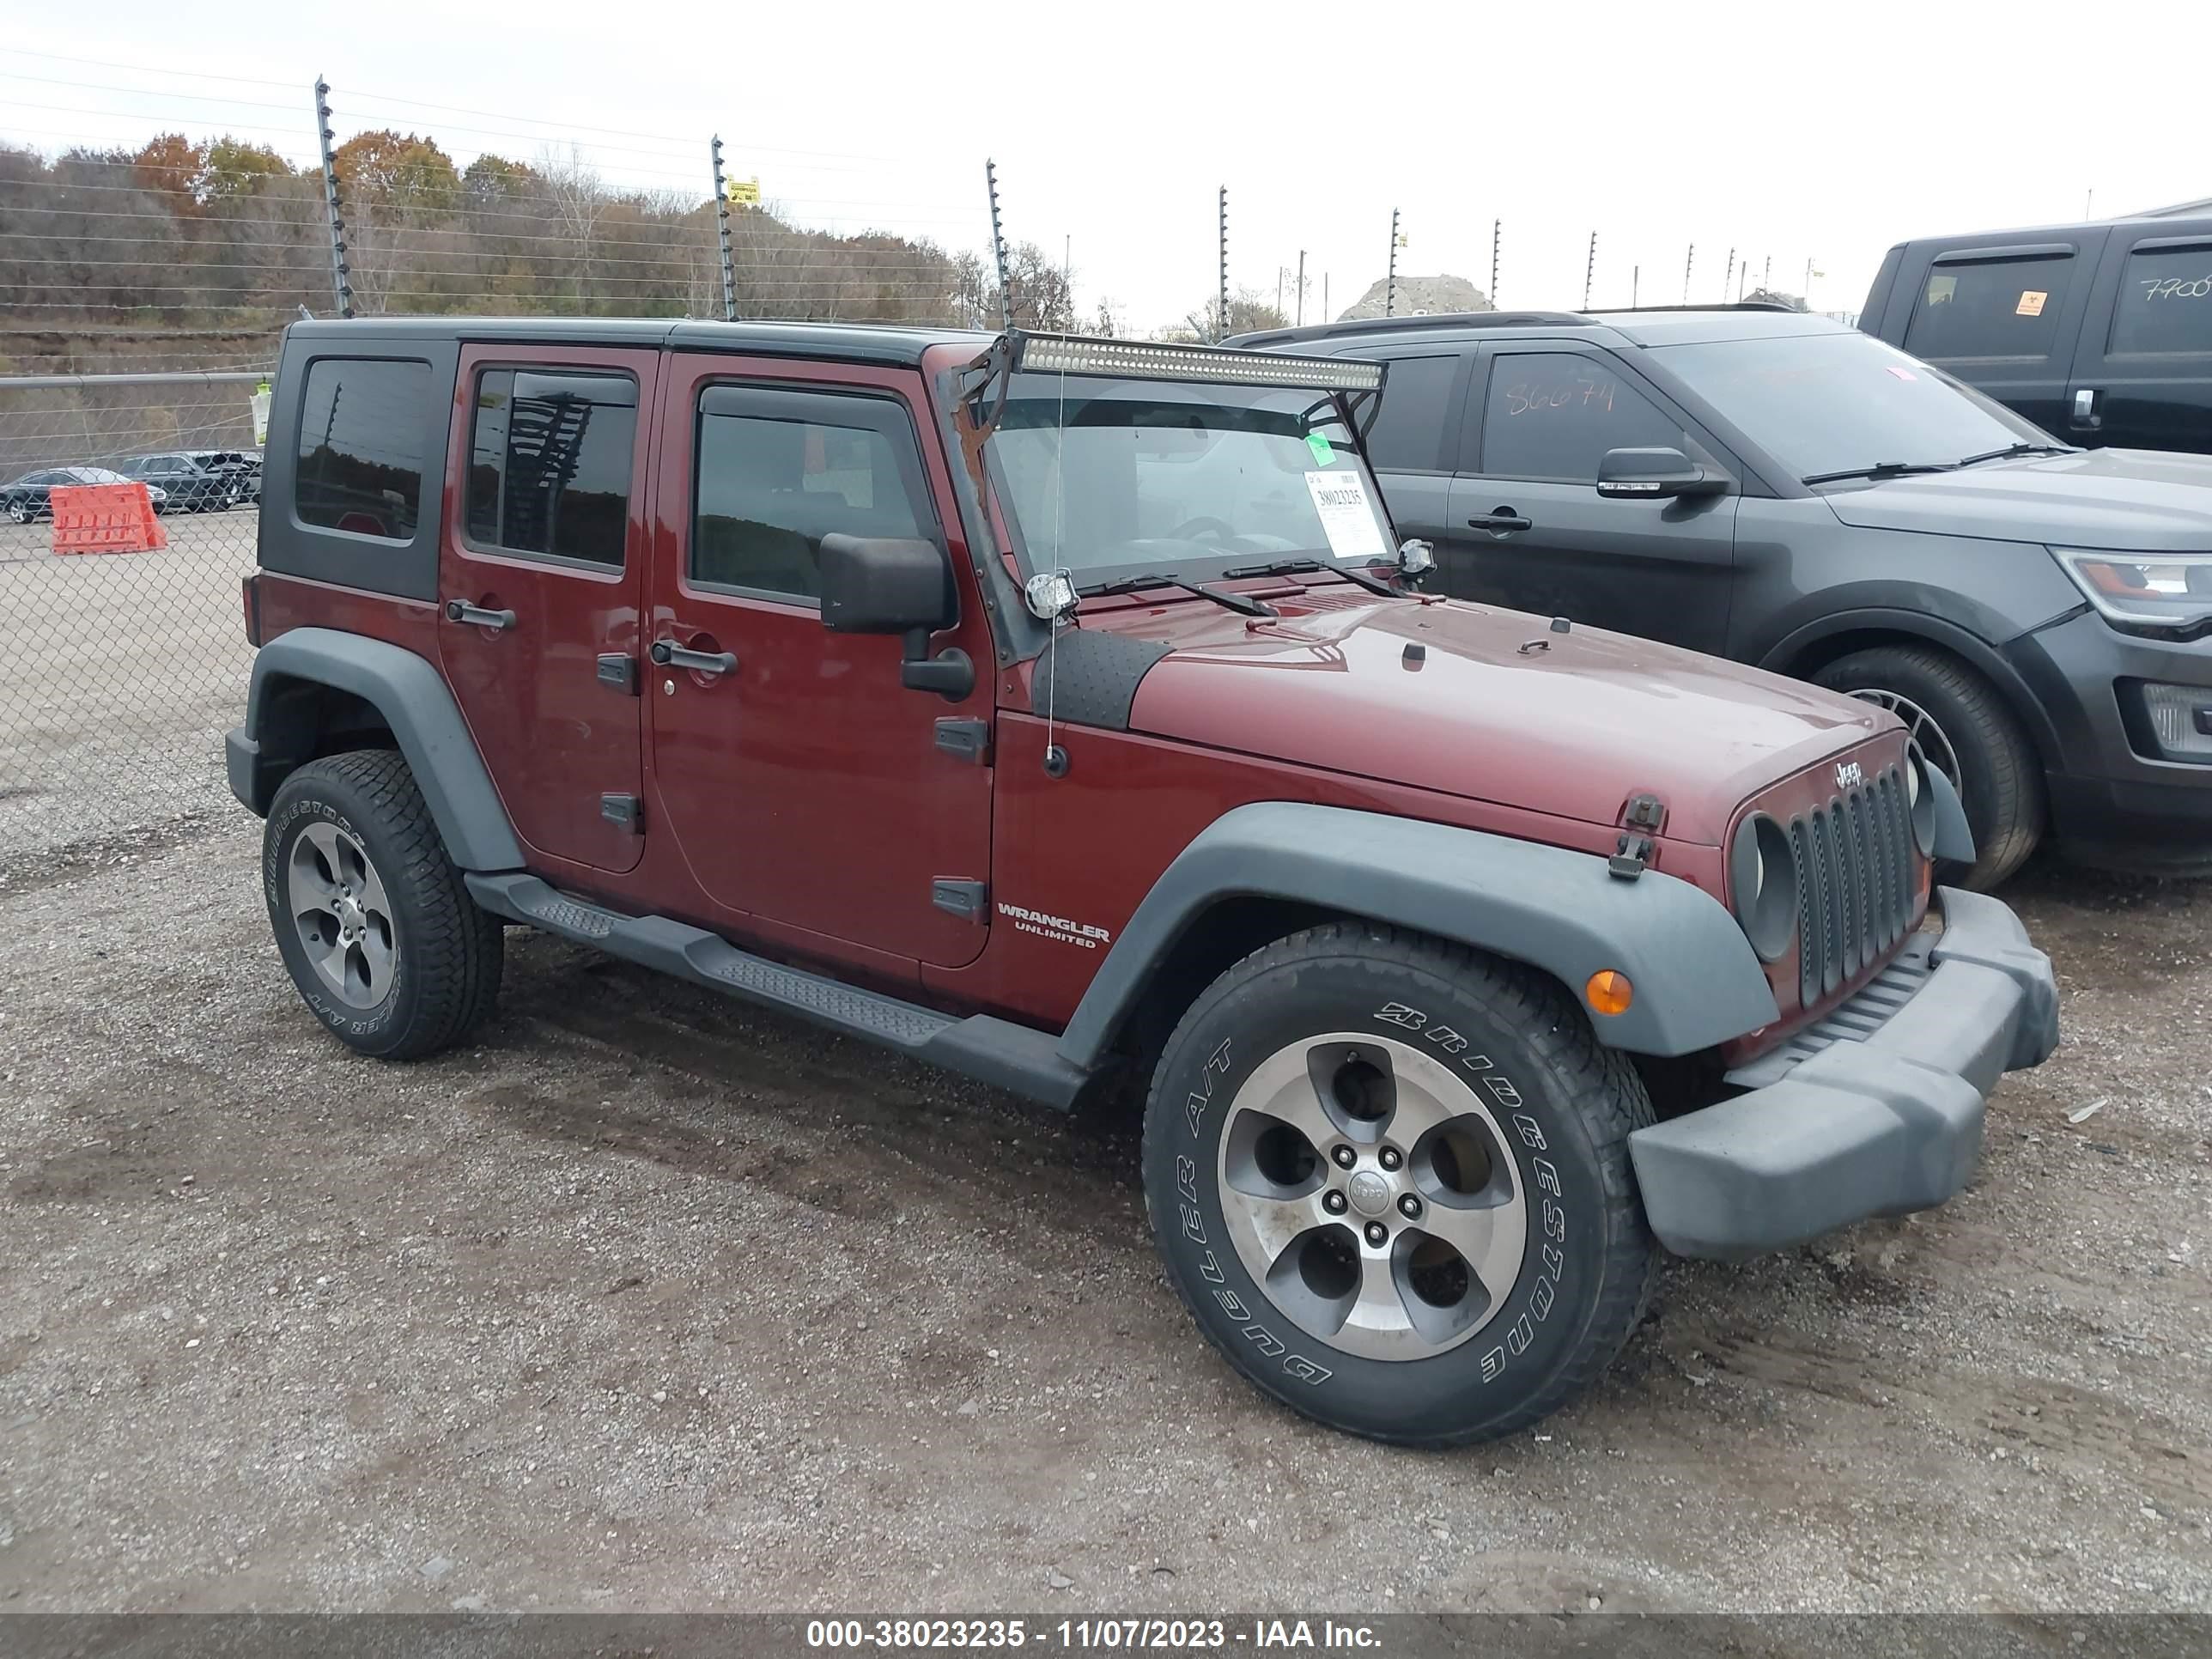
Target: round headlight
column 1763, row 884
column 1920, row 799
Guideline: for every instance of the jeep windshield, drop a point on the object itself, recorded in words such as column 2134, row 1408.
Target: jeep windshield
column 1829, row 407
column 1112, row 479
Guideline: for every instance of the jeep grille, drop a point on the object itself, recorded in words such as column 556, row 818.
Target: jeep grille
column 1855, row 881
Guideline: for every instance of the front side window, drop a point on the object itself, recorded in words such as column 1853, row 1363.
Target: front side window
column 361, row 455
column 1990, row 308
column 778, row 470
column 549, row 462
column 1110, row 478
column 2165, row 302
column 1553, row 415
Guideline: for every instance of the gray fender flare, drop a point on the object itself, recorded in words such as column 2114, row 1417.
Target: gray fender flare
column 1696, row 980
column 413, row 698
column 1954, row 836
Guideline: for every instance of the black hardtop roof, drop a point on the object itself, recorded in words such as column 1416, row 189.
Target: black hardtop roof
column 2187, row 219
column 893, row 344
column 1654, row 325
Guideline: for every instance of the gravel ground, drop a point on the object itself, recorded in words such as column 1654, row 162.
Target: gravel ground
column 649, row 1301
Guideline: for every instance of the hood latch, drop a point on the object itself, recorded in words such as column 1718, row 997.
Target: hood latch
column 1642, row 819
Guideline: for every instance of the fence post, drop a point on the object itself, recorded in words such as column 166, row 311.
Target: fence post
column 1590, row 271
column 1390, row 282
column 1689, row 260
column 1302, row 289
column 1495, row 227
column 1728, row 277
column 998, row 246
column 722, row 230
column 1221, row 324
column 341, row 278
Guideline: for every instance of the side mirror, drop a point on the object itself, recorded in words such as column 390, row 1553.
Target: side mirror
column 1654, row 474
column 893, row 585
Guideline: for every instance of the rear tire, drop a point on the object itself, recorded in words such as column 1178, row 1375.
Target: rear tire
column 1956, row 712
column 371, row 916
column 1482, row 1256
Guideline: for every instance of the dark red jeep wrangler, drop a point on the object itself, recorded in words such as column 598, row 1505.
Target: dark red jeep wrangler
column 1061, row 710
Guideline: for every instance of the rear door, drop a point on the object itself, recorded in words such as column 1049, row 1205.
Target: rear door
column 2142, row 374
column 2005, row 318
column 1415, row 436
column 541, row 563
column 1528, row 529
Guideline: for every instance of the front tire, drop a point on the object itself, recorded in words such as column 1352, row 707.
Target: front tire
column 371, row 916
column 1962, row 725
column 1391, row 1179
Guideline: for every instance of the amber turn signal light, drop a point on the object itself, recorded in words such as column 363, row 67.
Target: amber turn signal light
column 1609, row 992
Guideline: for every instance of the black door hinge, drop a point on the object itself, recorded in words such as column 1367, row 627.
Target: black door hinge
column 619, row 672
column 964, row 740
column 1643, row 818
column 958, row 896
column 624, row 812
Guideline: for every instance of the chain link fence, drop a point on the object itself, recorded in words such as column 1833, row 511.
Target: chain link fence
column 120, row 672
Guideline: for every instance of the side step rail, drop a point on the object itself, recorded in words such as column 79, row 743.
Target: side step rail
column 991, row 1050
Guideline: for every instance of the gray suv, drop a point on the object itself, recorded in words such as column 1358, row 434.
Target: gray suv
column 1779, row 489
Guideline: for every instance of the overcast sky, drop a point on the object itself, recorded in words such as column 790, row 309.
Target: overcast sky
column 1795, row 133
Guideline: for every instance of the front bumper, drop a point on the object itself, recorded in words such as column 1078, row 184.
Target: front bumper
column 1876, row 1110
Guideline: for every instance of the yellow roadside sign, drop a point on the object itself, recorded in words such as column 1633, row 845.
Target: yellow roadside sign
column 743, row 192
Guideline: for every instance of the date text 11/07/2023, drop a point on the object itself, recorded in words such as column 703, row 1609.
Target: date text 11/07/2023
column 1086, row 1635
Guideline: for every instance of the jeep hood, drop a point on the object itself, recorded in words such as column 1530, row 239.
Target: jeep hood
column 1572, row 728
column 2145, row 500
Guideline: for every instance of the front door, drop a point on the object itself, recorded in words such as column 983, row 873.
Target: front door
column 540, row 566
column 1530, row 531
column 806, row 785
column 2142, row 374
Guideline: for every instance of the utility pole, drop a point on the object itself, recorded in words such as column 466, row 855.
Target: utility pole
column 1221, row 324
column 341, row 278
column 1300, row 320
column 998, row 246
column 1689, row 259
column 1390, row 282
column 1324, row 296
column 1067, row 274
column 1496, row 225
column 722, row 230
column 1809, row 283
column 1590, row 271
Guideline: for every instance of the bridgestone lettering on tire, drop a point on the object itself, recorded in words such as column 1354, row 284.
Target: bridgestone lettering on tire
column 1999, row 779
column 371, row 917
column 1391, row 1179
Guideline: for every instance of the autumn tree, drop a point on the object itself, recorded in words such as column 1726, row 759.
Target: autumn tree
column 385, row 168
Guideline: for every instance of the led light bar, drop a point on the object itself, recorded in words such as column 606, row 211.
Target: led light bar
column 1138, row 360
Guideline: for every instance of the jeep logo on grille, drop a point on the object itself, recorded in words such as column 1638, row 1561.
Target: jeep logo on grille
column 1848, row 775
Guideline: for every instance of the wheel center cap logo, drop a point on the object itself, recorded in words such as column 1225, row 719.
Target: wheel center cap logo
column 1368, row 1193
column 349, row 914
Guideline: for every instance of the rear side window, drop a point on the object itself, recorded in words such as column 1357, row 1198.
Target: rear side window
column 361, row 447
column 549, row 461
column 1552, row 414
column 778, row 470
column 1408, row 436
column 2165, row 301
column 1990, row 308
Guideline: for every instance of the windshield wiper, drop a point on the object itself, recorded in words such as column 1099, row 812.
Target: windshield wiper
column 2011, row 450
column 1879, row 470
column 1359, row 576
column 1236, row 602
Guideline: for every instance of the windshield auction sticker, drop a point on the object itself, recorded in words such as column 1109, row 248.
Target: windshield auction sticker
column 1347, row 518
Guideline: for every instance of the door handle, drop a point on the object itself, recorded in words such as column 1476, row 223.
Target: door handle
column 2085, row 407
column 1500, row 520
column 669, row 654
column 461, row 610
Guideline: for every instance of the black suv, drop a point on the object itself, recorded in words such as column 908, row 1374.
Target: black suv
column 1780, row 488
column 2102, row 332
column 194, row 484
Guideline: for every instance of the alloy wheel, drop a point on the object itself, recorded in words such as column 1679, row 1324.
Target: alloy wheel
column 1921, row 730
column 1369, row 1191
column 338, row 903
